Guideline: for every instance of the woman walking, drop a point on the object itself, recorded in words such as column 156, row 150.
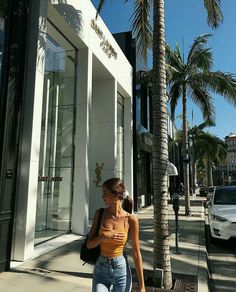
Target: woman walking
column 111, row 268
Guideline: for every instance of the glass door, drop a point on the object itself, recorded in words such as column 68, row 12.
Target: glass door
column 56, row 145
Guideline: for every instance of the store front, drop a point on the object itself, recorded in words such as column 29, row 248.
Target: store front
column 76, row 129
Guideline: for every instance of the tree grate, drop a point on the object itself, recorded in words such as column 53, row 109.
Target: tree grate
column 181, row 283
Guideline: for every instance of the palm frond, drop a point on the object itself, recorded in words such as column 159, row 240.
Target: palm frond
column 220, row 83
column 178, row 136
column 202, row 59
column 173, row 58
column 199, row 54
column 170, row 72
column 214, row 13
column 141, row 26
column 201, row 97
column 177, row 51
column 209, row 145
column 147, row 76
column 100, row 6
column 197, row 129
column 174, row 95
column 209, row 122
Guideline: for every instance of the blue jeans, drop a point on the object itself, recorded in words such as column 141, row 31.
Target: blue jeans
column 112, row 272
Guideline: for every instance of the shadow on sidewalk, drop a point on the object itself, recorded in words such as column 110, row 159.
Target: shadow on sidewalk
column 41, row 272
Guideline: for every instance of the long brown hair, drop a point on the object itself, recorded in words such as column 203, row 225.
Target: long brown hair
column 116, row 186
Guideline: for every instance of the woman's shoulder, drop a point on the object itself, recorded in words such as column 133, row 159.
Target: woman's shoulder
column 133, row 218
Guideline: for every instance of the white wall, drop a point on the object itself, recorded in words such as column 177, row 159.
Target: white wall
column 128, row 145
column 103, row 144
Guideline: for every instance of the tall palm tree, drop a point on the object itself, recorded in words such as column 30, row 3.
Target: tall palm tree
column 142, row 31
column 194, row 79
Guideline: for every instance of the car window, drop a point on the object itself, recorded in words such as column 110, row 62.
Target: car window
column 225, row 197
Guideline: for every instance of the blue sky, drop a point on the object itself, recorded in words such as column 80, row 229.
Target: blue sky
column 185, row 20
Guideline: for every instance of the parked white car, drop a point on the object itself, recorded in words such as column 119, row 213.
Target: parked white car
column 222, row 212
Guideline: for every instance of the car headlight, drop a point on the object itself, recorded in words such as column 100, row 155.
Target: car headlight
column 218, row 218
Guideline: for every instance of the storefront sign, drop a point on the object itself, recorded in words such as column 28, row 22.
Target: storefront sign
column 104, row 44
column 98, row 172
column 47, row 178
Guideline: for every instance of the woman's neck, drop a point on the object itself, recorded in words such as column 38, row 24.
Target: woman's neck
column 116, row 209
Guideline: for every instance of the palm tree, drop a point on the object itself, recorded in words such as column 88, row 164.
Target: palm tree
column 142, row 31
column 193, row 134
column 209, row 150
column 194, row 79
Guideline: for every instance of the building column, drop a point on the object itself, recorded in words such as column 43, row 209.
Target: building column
column 128, row 145
column 24, row 225
column 80, row 205
column 103, row 143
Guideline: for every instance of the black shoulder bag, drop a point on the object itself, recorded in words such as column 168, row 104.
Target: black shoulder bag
column 90, row 255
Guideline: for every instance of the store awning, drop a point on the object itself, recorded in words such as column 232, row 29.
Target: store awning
column 171, row 169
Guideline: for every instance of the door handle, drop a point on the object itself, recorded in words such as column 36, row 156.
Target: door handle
column 9, row 173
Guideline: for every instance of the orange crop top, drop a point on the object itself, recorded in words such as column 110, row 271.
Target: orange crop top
column 112, row 248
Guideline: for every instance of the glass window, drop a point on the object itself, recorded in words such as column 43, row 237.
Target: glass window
column 56, row 144
column 120, row 137
column 3, row 10
column 225, row 196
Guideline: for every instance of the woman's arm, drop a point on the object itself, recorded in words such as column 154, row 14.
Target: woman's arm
column 134, row 232
column 94, row 240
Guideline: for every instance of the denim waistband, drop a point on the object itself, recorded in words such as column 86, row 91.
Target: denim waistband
column 111, row 261
column 114, row 259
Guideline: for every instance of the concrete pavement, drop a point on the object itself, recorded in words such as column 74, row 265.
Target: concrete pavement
column 61, row 269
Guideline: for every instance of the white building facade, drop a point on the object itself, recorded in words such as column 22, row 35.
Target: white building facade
column 76, row 129
column 230, row 140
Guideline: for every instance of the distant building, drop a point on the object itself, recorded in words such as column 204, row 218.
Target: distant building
column 226, row 174
column 230, row 140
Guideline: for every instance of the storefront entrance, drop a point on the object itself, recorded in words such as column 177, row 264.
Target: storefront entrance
column 55, row 176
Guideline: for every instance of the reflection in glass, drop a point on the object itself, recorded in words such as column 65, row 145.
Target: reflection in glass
column 120, row 137
column 56, row 145
column 3, row 9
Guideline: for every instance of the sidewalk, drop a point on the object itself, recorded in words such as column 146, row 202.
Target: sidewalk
column 61, row 270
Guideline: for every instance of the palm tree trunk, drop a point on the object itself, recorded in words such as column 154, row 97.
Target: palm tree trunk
column 185, row 153
column 210, row 175
column 160, row 147
column 193, row 167
column 209, row 172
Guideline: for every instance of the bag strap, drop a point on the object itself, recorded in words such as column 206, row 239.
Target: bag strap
column 99, row 219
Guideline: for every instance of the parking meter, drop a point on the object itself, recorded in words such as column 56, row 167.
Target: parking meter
column 175, row 203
